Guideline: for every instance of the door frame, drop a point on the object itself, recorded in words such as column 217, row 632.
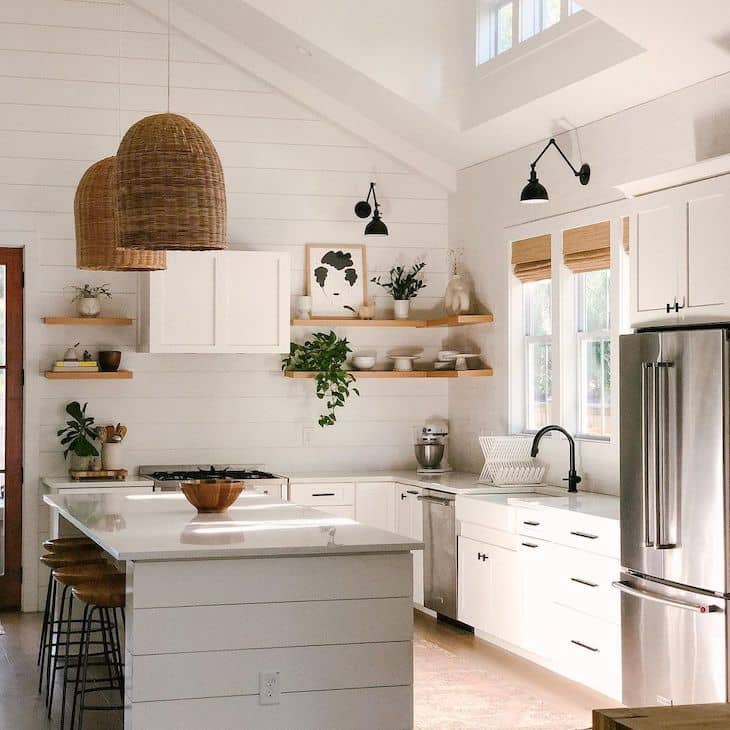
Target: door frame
column 27, row 238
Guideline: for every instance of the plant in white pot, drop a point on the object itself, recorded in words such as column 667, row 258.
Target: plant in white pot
column 403, row 286
column 79, row 437
column 88, row 298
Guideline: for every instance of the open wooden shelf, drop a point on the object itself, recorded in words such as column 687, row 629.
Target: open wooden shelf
column 118, row 375
column 98, row 321
column 360, row 374
column 452, row 320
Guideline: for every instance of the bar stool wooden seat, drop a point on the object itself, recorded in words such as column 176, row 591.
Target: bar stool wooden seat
column 68, row 577
column 66, row 557
column 57, row 544
column 106, row 597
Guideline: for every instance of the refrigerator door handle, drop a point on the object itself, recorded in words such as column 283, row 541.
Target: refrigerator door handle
column 646, row 368
column 656, row 598
column 661, row 375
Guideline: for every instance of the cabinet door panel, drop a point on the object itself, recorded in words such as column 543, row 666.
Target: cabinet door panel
column 475, row 584
column 708, row 237
column 182, row 303
column 505, row 603
column 659, row 233
column 375, row 504
column 535, row 562
column 254, row 301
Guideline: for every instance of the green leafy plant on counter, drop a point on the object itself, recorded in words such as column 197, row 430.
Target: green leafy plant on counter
column 78, row 436
column 403, row 284
column 325, row 354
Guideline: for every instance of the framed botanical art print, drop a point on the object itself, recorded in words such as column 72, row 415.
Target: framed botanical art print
column 336, row 278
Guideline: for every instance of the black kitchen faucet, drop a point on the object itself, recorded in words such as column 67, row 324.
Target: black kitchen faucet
column 573, row 478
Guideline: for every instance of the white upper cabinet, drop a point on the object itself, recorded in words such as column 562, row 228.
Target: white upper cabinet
column 680, row 255
column 217, row 301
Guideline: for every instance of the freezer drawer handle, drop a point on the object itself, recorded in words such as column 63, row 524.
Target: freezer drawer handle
column 530, row 544
column 435, row 500
column 656, row 598
column 584, row 534
column 583, row 646
column 530, row 523
column 323, row 494
column 584, row 582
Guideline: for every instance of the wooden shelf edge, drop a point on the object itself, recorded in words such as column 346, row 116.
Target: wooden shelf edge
column 98, row 321
column 118, row 375
column 360, row 374
column 452, row 320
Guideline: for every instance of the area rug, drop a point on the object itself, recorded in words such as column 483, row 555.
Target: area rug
column 450, row 694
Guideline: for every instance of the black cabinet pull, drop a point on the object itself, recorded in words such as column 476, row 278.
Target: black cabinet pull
column 530, row 544
column 583, row 646
column 323, row 494
column 482, row 556
column 403, row 496
column 531, row 524
column 584, row 582
column 586, row 535
column 412, row 491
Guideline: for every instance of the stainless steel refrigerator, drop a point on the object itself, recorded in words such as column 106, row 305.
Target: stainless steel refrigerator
column 675, row 441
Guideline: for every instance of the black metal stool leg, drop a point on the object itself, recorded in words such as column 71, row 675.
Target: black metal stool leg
column 50, row 687
column 45, row 620
column 66, row 660
column 84, row 638
column 85, row 666
column 46, row 652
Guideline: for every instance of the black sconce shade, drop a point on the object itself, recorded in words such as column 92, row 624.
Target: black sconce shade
column 375, row 227
column 535, row 192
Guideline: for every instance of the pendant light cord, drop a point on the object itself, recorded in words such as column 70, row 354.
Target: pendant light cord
column 119, row 71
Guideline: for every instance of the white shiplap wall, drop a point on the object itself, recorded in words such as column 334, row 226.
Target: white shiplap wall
column 291, row 178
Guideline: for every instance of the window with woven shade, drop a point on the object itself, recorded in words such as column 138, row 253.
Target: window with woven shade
column 531, row 258
column 587, row 248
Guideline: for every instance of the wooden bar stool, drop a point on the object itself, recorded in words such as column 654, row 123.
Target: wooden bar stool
column 105, row 596
column 64, row 558
column 68, row 577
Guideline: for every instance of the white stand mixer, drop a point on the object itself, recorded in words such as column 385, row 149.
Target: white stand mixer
column 430, row 446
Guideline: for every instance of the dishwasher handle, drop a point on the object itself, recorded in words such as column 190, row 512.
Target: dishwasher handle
column 435, row 500
column 656, row 598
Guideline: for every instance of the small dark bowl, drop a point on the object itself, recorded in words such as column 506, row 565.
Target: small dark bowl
column 109, row 360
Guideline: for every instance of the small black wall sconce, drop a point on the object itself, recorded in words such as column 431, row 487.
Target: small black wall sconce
column 535, row 192
column 375, row 227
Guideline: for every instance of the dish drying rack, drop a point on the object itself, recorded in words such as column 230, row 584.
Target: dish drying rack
column 507, row 461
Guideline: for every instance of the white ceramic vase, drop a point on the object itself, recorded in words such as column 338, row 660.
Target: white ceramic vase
column 401, row 308
column 89, row 307
column 112, row 455
column 457, row 297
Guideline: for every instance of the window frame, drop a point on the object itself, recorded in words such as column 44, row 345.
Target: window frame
column 528, row 341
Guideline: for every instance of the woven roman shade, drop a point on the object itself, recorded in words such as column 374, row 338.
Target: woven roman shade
column 96, row 226
column 588, row 248
column 170, row 187
column 625, row 233
column 531, row 258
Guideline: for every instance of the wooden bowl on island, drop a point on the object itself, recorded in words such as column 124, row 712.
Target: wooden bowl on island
column 211, row 495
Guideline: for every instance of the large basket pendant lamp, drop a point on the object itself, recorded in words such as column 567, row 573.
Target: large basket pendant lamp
column 170, row 189
column 95, row 214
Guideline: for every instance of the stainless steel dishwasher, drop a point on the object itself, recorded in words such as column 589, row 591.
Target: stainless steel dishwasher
column 439, row 555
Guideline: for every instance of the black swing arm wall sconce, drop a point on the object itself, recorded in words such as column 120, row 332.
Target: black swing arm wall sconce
column 375, row 227
column 535, row 192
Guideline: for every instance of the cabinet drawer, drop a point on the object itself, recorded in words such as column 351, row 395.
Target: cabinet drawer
column 533, row 522
column 593, row 534
column 582, row 581
column 322, row 494
column 588, row 650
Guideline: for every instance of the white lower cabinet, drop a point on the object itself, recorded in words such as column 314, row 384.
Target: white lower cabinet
column 375, row 504
column 409, row 522
column 535, row 563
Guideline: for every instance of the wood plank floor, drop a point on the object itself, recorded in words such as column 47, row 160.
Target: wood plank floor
column 461, row 683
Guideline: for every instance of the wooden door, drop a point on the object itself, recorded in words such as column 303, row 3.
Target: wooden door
column 11, row 427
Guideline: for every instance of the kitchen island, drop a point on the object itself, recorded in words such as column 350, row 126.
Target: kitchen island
column 215, row 601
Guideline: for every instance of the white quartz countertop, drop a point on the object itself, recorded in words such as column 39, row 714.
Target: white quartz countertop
column 54, row 483
column 166, row 527
column 453, row 482
column 586, row 503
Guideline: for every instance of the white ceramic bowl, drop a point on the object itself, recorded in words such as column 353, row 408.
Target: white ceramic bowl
column 364, row 362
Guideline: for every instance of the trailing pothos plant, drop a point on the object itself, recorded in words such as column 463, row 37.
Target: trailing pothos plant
column 78, row 436
column 403, row 284
column 325, row 354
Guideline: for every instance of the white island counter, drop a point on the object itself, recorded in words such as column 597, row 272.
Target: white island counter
column 213, row 601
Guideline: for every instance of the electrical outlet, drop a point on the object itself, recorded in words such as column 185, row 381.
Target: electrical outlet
column 269, row 688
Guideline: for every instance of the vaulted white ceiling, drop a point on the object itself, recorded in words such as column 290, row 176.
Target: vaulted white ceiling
column 401, row 74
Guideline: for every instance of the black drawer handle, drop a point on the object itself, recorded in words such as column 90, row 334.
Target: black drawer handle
column 323, row 494
column 403, row 496
column 412, row 491
column 531, row 524
column 583, row 646
column 586, row 535
column 584, row 582
column 530, row 544
column 482, row 556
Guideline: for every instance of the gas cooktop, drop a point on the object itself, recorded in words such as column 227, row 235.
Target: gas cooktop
column 171, row 475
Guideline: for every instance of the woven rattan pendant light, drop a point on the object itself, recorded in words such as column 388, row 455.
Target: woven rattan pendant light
column 170, row 188
column 95, row 213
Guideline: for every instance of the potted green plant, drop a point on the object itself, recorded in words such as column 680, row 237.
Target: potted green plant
column 87, row 298
column 325, row 354
column 403, row 286
column 79, row 438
